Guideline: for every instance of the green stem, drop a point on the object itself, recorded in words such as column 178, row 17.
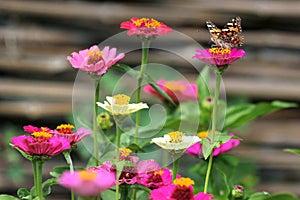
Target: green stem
column 95, row 126
column 175, row 168
column 38, row 178
column 67, row 155
column 34, row 167
column 118, row 142
column 213, row 128
column 145, row 52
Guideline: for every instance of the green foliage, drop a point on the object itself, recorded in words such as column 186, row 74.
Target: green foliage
column 294, row 151
column 7, row 197
column 239, row 115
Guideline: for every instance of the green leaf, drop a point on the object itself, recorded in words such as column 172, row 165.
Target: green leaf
column 283, row 196
column 23, row 193
column 207, row 148
column 295, row 151
column 47, row 186
column 259, row 196
column 135, row 148
column 7, row 197
column 108, row 195
column 239, row 115
column 29, row 157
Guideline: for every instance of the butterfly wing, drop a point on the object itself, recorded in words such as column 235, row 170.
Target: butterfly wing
column 227, row 37
column 231, row 33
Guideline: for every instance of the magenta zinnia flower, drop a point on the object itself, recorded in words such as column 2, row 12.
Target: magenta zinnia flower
column 41, row 143
column 196, row 149
column 94, row 60
column 87, row 182
column 156, row 179
column 221, row 57
column 182, row 189
column 65, row 131
column 145, row 27
column 179, row 91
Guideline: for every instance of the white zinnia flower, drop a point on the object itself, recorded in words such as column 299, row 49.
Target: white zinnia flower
column 175, row 141
column 119, row 105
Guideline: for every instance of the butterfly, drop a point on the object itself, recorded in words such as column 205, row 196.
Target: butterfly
column 227, row 37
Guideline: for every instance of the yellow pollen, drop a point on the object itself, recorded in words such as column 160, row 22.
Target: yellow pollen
column 174, row 86
column 87, row 175
column 95, row 53
column 203, row 134
column 146, row 22
column 65, row 126
column 43, row 134
column 125, row 151
column 160, row 172
column 176, row 136
column 219, row 51
column 121, row 99
column 184, row 182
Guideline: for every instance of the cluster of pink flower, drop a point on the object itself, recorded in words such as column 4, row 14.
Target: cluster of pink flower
column 46, row 142
column 148, row 173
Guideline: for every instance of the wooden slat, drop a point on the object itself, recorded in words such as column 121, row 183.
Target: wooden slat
column 273, row 132
column 36, row 89
column 35, row 109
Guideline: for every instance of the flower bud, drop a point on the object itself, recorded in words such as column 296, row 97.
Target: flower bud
column 238, row 191
column 104, row 121
column 207, row 103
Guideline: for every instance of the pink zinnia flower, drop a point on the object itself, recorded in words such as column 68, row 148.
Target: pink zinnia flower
column 179, row 91
column 196, row 149
column 182, row 189
column 65, row 131
column 94, row 60
column 32, row 129
column 156, row 179
column 145, row 27
column 87, row 182
column 221, row 57
column 41, row 143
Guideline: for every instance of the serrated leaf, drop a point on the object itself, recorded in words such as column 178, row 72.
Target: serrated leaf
column 239, row 115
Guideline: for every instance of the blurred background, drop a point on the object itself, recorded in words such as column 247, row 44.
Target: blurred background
column 36, row 80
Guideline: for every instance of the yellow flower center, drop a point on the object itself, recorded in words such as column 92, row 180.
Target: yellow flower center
column 219, row 51
column 176, row 136
column 184, row 182
column 121, row 99
column 203, row 134
column 146, row 22
column 65, row 128
column 160, row 172
column 87, row 175
column 174, row 86
column 125, row 152
column 42, row 134
column 94, row 56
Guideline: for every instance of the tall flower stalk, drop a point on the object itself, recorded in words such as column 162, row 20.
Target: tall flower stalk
column 95, row 124
column 145, row 52
column 145, row 29
column 95, row 62
column 37, row 165
column 213, row 127
column 219, row 58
